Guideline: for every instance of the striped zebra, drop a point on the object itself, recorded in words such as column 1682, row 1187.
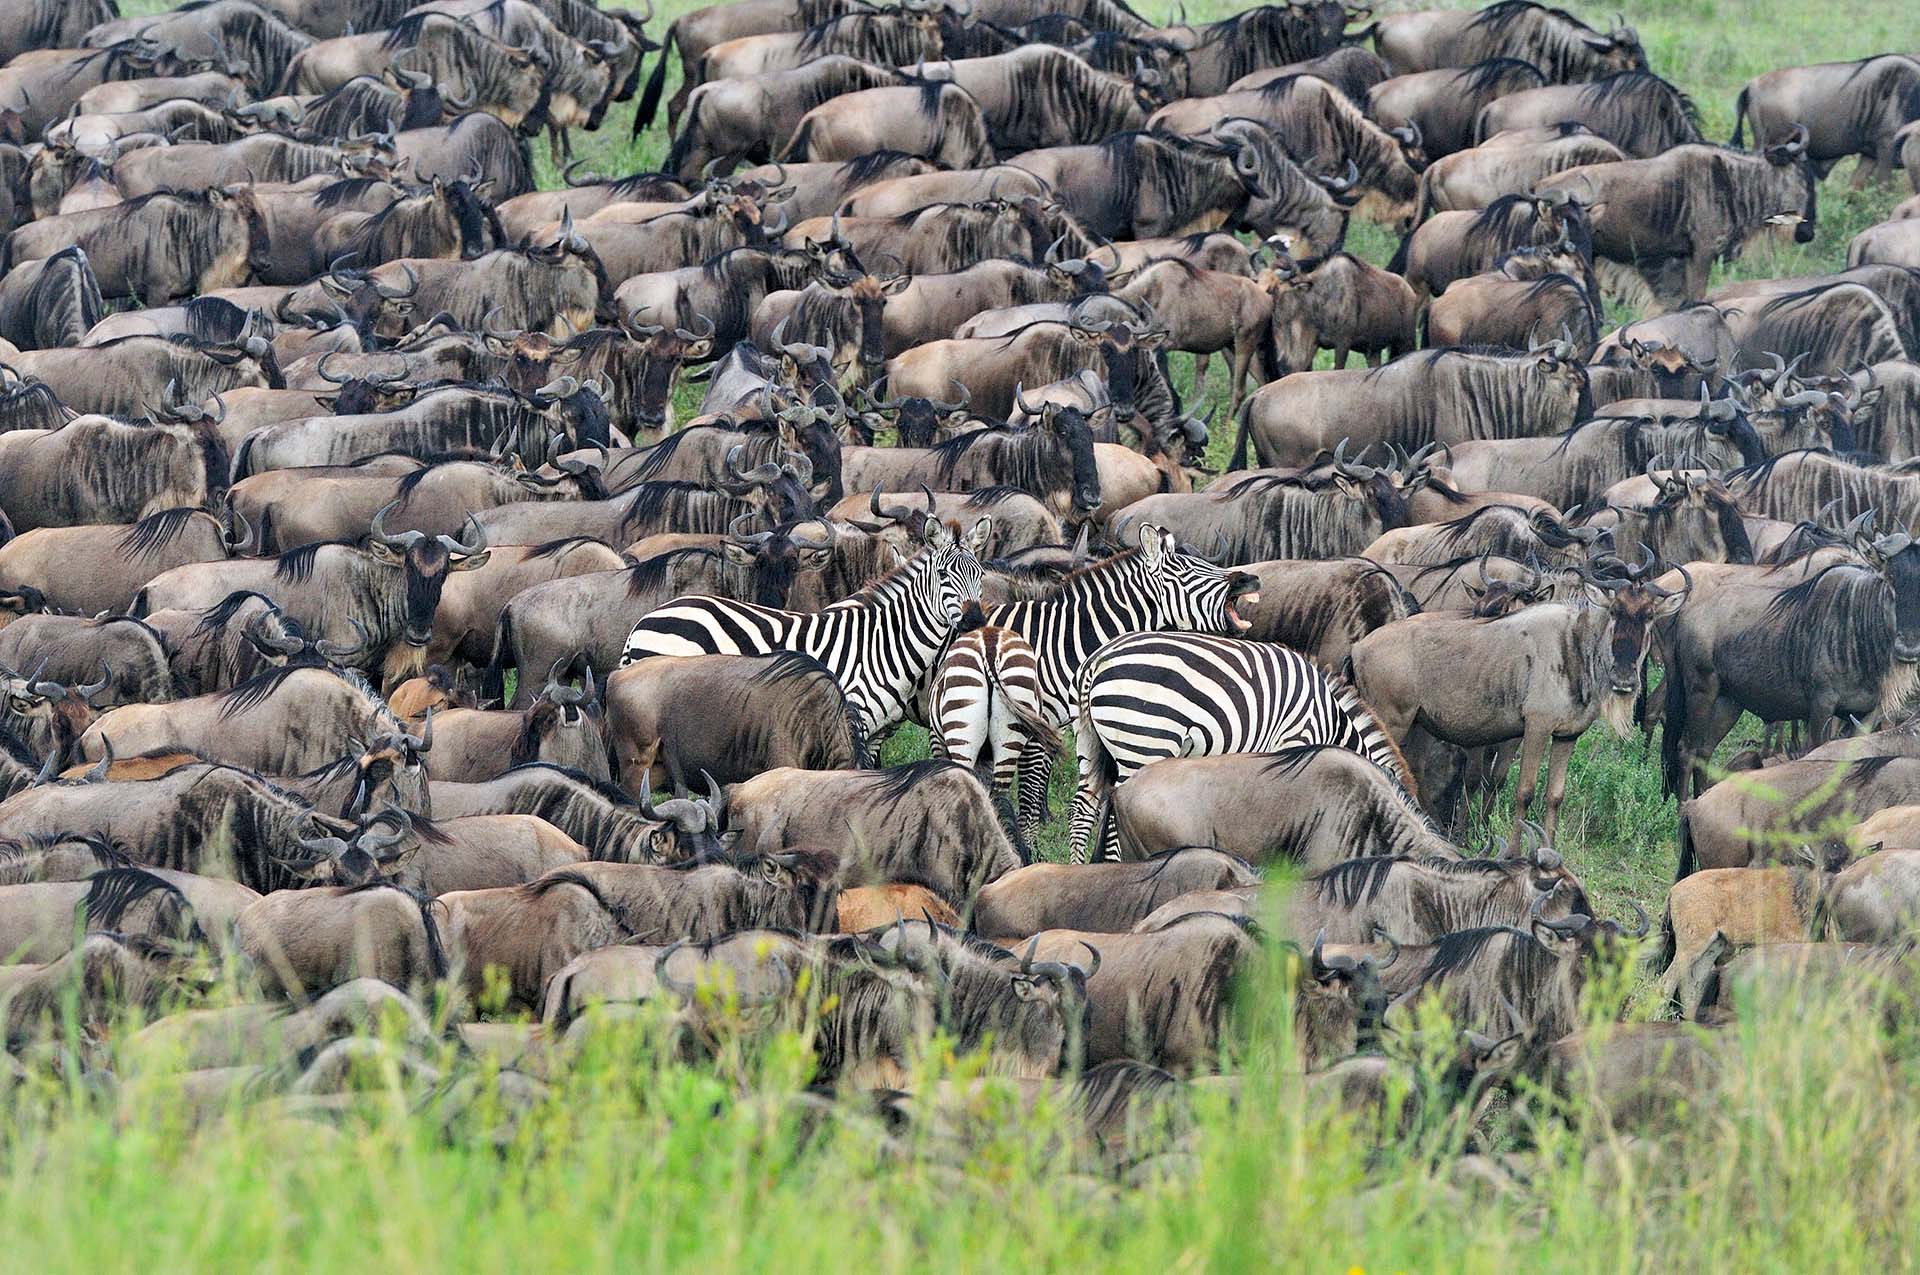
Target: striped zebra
column 984, row 706
column 878, row 643
column 1153, row 588
column 1150, row 696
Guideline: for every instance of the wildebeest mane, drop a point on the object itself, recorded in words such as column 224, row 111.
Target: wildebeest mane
column 1488, row 75
column 652, row 573
column 893, row 784
column 112, row 891
column 1355, row 881
column 295, row 566
column 221, row 613
column 154, row 532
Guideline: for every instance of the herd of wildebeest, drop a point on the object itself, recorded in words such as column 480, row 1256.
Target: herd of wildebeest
column 362, row 593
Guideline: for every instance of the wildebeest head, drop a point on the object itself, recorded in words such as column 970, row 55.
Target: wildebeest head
column 690, row 828
column 868, row 291
column 1072, row 430
column 1693, row 518
column 425, row 561
column 50, row 716
column 1339, row 1003
column 773, row 558
column 803, row 366
column 918, row 421
column 374, row 392
column 1618, row 50
column 664, row 351
column 14, row 603
column 781, row 487
column 393, row 770
column 371, row 308
column 1792, row 188
column 1898, row 556
column 1196, row 595
column 1123, row 345
column 1580, row 935
column 1634, row 604
column 574, row 410
column 809, row 880
column 1556, row 364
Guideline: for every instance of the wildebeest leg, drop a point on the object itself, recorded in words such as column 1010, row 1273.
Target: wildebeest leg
column 1533, row 748
column 1340, row 353
column 1713, row 725
column 1245, row 350
column 1558, row 756
column 1200, row 370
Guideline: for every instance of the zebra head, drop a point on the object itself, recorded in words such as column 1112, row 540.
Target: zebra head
column 955, row 568
column 1195, row 595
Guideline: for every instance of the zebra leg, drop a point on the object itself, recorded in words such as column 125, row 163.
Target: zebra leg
column 1036, row 774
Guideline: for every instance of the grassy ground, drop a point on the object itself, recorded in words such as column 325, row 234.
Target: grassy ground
column 1805, row 1158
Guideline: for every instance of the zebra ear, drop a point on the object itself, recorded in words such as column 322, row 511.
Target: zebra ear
column 1154, row 544
column 978, row 535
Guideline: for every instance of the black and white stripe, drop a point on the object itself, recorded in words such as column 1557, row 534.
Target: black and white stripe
column 1150, row 696
column 1152, row 589
column 879, row 644
column 985, row 704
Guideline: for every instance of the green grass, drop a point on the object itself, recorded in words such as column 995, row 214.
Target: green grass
column 1805, row 1155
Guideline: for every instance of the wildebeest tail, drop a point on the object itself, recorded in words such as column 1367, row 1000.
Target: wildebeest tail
column 1399, row 263
column 657, row 82
column 796, row 149
column 1689, row 857
column 1739, row 138
column 1672, row 726
column 1239, row 460
column 494, row 678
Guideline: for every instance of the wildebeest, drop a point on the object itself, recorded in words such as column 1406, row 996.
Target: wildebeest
column 283, row 722
column 156, row 248
column 1313, row 805
column 1041, row 96
column 101, row 566
column 1478, row 974
column 1508, row 164
column 200, row 817
column 306, row 941
column 1752, row 818
column 1440, row 396
column 937, row 122
column 391, row 587
column 1847, row 108
column 1106, row 897
column 1742, row 906
column 756, row 118
column 930, row 822
column 755, row 713
column 1541, row 675
column 1563, row 47
column 1320, row 513
column 1668, row 217
column 1824, row 638
column 1159, row 997
column 1637, row 111
column 52, row 302
column 1441, row 104
column 1342, row 304
column 96, row 469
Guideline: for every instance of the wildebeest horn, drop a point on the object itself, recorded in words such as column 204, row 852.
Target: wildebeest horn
column 1565, row 925
column 686, row 335
column 684, row 991
column 101, row 768
column 1641, row 926
column 959, row 405
column 1020, row 400
column 339, row 651
column 378, row 529
column 247, row 542
column 48, row 767
column 1555, row 198
column 469, row 548
column 413, row 284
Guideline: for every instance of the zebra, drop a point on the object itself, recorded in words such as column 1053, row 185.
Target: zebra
column 1153, row 587
column 984, row 705
column 1149, row 696
column 879, row 643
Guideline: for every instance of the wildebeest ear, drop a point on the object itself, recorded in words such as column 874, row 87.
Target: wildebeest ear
column 1669, row 606
column 1599, row 595
column 1025, row 988
column 472, row 562
column 978, row 535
